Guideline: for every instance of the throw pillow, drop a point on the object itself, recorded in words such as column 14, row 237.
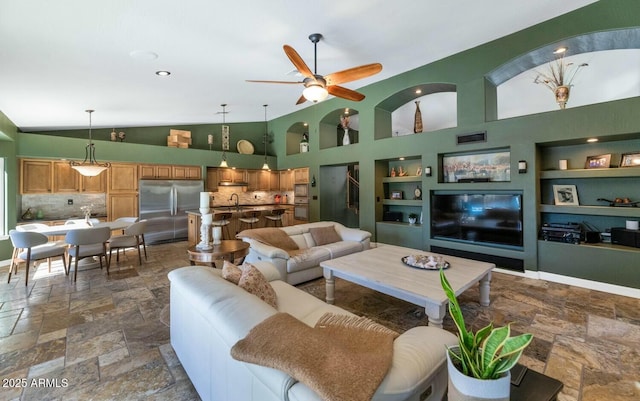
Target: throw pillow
column 270, row 236
column 254, row 282
column 324, row 235
column 231, row 272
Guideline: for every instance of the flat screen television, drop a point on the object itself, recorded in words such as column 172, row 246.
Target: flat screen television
column 486, row 218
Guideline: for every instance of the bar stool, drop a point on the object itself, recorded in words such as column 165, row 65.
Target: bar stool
column 275, row 217
column 249, row 218
column 222, row 220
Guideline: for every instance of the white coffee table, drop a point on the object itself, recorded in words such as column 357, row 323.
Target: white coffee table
column 382, row 269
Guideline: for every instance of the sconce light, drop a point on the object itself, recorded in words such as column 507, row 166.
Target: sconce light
column 427, row 171
column 313, row 181
column 522, row 166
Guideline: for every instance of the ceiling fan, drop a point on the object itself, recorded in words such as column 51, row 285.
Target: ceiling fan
column 318, row 87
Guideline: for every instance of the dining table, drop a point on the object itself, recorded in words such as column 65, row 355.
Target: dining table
column 64, row 229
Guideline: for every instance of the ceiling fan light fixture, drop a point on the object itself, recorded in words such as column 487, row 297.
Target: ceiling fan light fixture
column 315, row 93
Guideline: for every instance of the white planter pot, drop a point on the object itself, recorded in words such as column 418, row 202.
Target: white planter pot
column 466, row 388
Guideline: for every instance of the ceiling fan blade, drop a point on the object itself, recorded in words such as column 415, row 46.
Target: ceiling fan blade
column 301, row 100
column 273, row 82
column 353, row 74
column 297, row 61
column 345, row 93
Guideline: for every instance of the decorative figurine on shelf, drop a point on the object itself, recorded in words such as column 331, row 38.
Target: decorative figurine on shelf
column 344, row 123
column 393, row 172
column 304, row 143
column 401, row 172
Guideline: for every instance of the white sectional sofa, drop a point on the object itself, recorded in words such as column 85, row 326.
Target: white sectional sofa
column 305, row 264
column 209, row 315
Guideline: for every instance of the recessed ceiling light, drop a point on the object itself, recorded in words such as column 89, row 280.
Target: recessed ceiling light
column 418, row 91
column 560, row 50
column 590, row 140
column 402, row 158
column 163, row 73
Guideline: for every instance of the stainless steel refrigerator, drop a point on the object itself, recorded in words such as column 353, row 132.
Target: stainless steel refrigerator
column 163, row 203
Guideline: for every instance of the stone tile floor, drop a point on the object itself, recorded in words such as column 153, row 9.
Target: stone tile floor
column 101, row 338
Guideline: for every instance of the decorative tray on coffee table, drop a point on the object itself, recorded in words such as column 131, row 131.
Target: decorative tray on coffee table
column 425, row 262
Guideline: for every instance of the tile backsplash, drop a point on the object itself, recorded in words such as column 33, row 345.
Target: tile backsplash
column 222, row 197
column 55, row 206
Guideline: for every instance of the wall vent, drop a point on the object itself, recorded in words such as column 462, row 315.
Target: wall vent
column 472, row 138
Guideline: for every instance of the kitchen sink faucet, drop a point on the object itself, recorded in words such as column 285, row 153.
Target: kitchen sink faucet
column 237, row 205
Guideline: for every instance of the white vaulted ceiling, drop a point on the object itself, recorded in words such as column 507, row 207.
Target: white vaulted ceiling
column 58, row 58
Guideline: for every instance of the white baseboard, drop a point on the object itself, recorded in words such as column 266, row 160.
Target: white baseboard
column 577, row 282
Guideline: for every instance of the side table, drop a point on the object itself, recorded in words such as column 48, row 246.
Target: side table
column 231, row 250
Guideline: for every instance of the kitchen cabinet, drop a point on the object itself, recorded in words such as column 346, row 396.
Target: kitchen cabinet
column 186, row 172
column 123, row 178
column 232, row 175
column 36, row 176
column 68, row 180
column 193, row 229
column 212, row 179
column 286, row 180
column 274, row 181
column 122, row 205
column 258, row 180
column 155, row 172
column 301, row 175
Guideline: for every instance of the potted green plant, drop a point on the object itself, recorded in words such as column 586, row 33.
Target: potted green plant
column 413, row 218
column 479, row 366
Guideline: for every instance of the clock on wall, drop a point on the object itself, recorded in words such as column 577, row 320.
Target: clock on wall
column 417, row 193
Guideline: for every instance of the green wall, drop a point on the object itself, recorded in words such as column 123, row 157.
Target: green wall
column 465, row 71
column 8, row 133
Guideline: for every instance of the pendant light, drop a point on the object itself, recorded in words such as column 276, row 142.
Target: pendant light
column 223, row 162
column 89, row 166
column 265, row 166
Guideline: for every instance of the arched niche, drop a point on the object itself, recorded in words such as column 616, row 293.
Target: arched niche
column 395, row 116
column 294, row 137
column 612, row 73
column 331, row 132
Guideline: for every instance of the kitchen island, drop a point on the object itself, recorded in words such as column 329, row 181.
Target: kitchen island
column 236, row 213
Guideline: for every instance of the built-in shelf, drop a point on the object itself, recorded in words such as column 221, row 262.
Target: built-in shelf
column 402, row 202
column 591, row 173
column 401, row 223
column 409, row 178
column 593, row 210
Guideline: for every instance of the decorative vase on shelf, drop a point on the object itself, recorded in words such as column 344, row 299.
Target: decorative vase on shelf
column 417, row 123
column 562, row 95
column 345, row 138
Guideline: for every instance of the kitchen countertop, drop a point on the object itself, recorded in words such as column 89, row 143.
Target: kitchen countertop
column 245, row 208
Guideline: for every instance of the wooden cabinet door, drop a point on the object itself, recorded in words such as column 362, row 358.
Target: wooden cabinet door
column 286, row 180
column 122, row 205
column 65, row 179
column 193, row 232
column 263, row 180
column 212, row 179
column 186, row 173
column 225, row 174
column 253, row 180
column 97, row 184
column 164, row 172
column 238, row 175
column 301, row 175
column 36, row 176
column 123, row 178
column 274, row 181
column 147, row 172
column 155, row 172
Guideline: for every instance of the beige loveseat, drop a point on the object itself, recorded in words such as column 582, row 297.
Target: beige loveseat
column 209, row 315
column 303, row 264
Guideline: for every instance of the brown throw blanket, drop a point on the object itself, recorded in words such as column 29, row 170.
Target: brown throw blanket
column 270, row 236
column 342, row 358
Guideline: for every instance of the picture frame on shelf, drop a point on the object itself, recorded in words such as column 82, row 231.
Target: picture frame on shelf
column 599, row 161
column 630, row 159
column 565, row 195
column 397, row 195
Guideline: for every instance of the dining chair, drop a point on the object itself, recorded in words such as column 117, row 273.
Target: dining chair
column 133, row 237
column 86, row 242
column 275, row 217
column 31, row 246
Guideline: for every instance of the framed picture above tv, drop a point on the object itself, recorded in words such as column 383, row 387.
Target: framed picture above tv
column 477, row 167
